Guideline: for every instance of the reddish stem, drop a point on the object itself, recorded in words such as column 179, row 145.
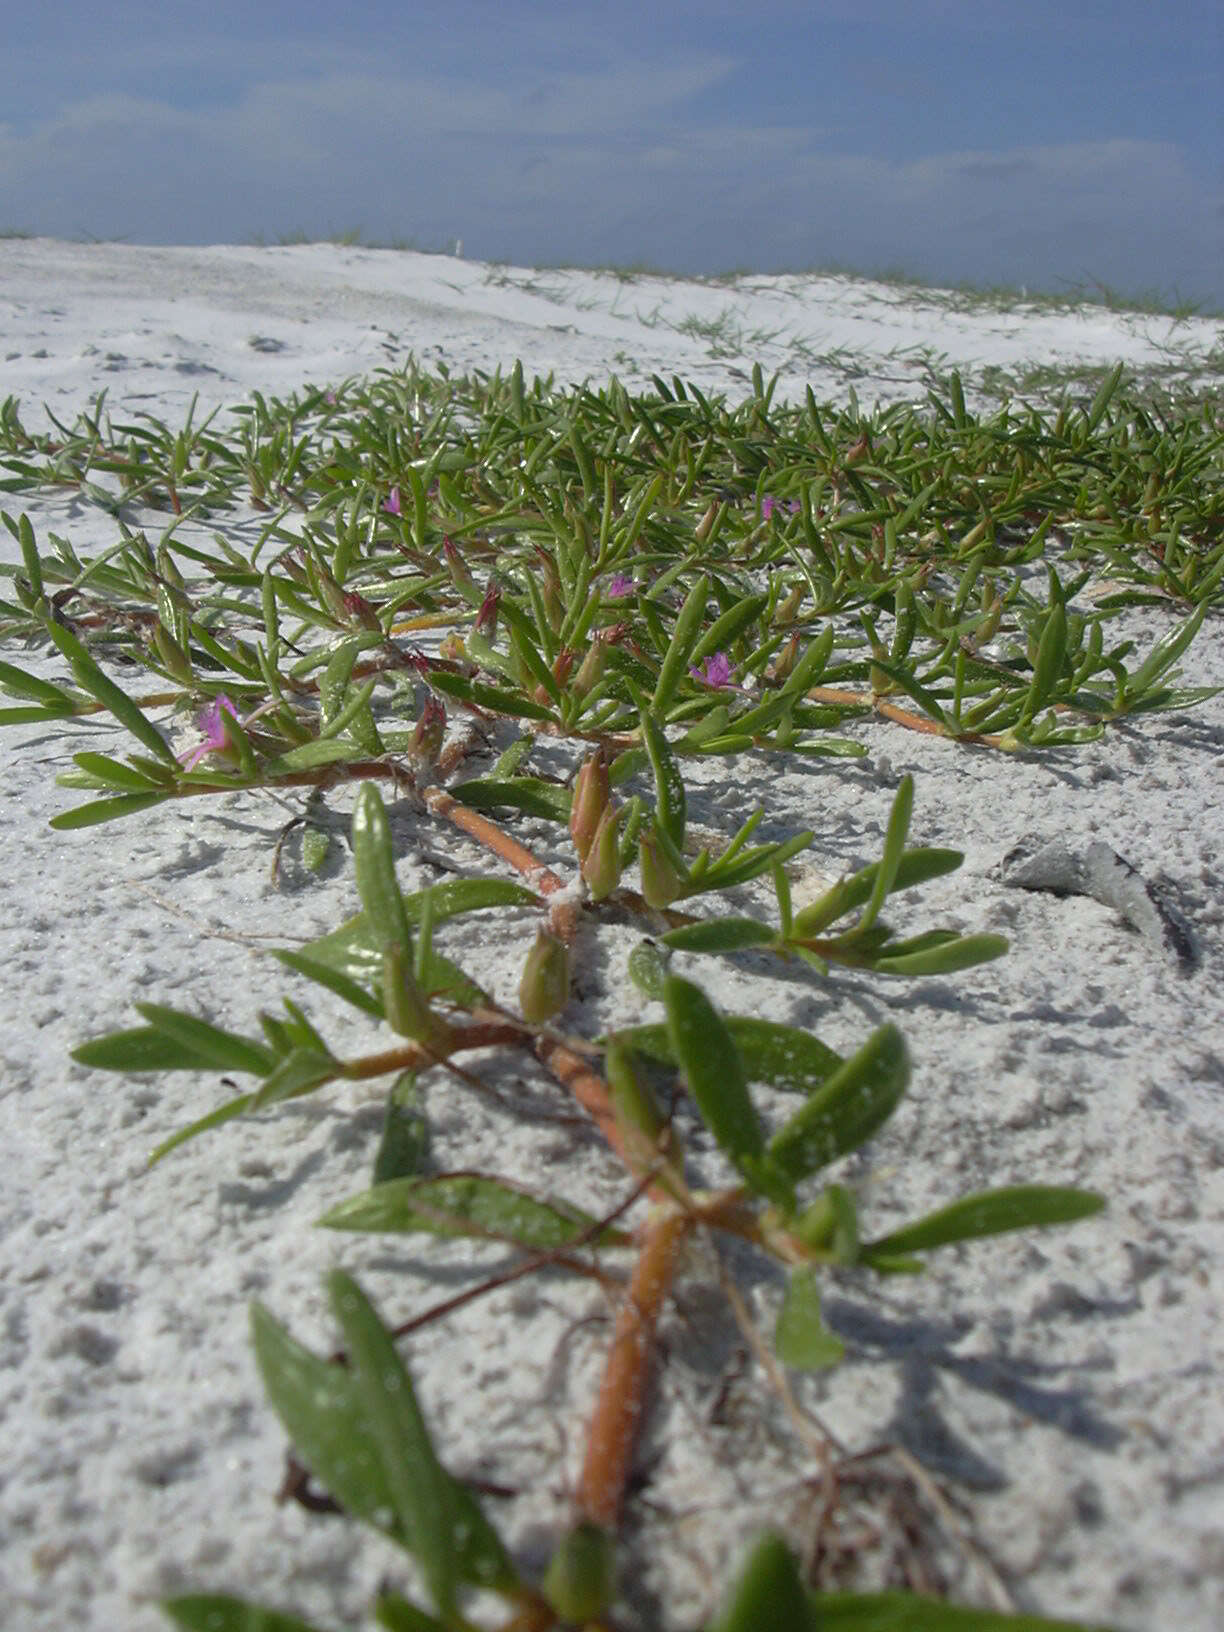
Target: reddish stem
column 622, row 1395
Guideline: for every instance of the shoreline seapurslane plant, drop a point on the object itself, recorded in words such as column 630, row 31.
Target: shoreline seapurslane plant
column 448, row 568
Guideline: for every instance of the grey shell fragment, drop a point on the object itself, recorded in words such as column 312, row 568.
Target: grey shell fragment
column 1109, row 878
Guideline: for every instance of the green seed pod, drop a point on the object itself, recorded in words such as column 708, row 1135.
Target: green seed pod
column 782, row 665
column 581, row 1576
column 592, row 666
column 332, row 595
column 661, row 883
column 544, row 987
column 592, row 791
column 173, row 655
column 642, row 1124
column 785, row 611
column 830, row 1225
column 428, row 734
column 769, row 1593
column 601, row 864
column 407, row 1008
column 462, row 579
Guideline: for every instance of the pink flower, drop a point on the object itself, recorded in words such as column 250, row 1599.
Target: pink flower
column 210, row 722
column 620, row 585
column 769, row 504
column 716, row 671
column 391, row 504
column 329, row 397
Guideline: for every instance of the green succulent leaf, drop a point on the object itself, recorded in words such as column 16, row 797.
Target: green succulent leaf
column 801, row 1338
column 218, row 1612
column 325, row 1411
column 526, row 793
column 940, row 952
column 648, row 970
column 468, row 1204
column 204, row 1124
column 422, row 1493
column 782, row 1056
column 848, row 1107
column 374, row 861
column 299, row 1072
column 894, row 846
column 684, row 637
column 220, row 1050
column 914, row 867
column 398, row 1615
column 497, row 699
column 720, row 935
column 909, row 1612
column 21, row 684
column 324, row 974
column 91, row 679
column 113, row 773
column 706, row 1053
column 403, row 1149
column 769, row 1592
column 142, row 1048
column 991, row 1212
column 105, row 810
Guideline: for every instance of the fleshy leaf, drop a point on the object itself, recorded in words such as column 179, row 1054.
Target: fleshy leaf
column 220, row 1050
column 852, row 1103
column 910, row 1612
column 914, row 867
column 218, row 1612
column 324, row 1416
column 467, row 1204
column 991, row 1212
column 801, row 1338
column 782, row 1056
column 142, row 1048
column 374, row 860
column 769, row 1593
column 104, row 810
column 707, row 1055
column 720, row 935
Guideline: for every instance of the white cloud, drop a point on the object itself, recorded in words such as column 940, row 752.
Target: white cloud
column 603, row 166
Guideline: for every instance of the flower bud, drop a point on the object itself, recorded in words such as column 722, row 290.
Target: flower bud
column 661, row 883
column 581, row 1575
column 406, row 1007
column 427, row 737
column 642, row 1125
column 459, row 574
column 562, row 664
column 550, row 589
column 331, row 594
column 592, row 666
column 486, row 618
column 592, row 790
column 785, row 612
column 782, row 665
column 360, row 611
column 173, row 655
column 830, row 1225
column 601, row 865
column 544, row 987
column 702, row 530
column 858, row 451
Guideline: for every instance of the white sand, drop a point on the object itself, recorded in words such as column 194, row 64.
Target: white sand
column 1065, row 1385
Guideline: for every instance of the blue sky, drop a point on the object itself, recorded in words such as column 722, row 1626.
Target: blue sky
column 992, row 141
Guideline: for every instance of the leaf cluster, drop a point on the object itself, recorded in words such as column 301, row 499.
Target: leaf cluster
column 644, row 581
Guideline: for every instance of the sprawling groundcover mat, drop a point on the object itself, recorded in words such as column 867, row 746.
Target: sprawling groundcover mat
column 628, row 842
